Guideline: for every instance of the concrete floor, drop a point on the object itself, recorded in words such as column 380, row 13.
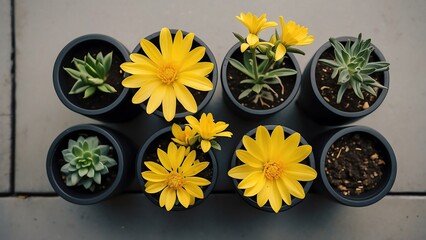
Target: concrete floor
column 31, row 116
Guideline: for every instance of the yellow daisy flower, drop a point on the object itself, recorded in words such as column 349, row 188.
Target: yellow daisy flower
column 176, row 177
column 254, row 25
column 292, row 35
column 164, row 76
column 272, row 167
column 184, row 137
column 208, row 129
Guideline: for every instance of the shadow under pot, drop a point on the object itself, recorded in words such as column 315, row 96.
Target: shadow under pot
column 356, row 165
column 174, row 177
column 318, row 93
column 274, row 171
column 91, row 86
column 251, row 106
column 88, row 163
column 202, row 98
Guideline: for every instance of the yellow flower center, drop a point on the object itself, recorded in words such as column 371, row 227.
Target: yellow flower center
column 168, row 74
column 175, row 180
column 272, row 170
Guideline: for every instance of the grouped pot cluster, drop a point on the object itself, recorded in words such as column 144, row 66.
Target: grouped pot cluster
column 272, row 168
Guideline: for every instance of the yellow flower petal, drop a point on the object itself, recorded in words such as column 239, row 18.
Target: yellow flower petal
column 184, row 96
column 172, row 153
column 201, row 68
column 252, row 147
column 264, row 141
column 277, row 136
column 252, row 39
column 169, row 104
column 164, row 159
column 156, row 98
column 224, row 134
column 284, row 192
column 196, row 168
column 193, row 57
column 275, row 199
column 294, row 187
column 264, row 194
column 163, row 197
column 170, row 199
column 153, row 177
column 198, row 181
column 183, row 197
column 188, row 162
column 180, row 51
column 301, row 172
column 205, row 145
column 242, row 171
column 194, row 190
column 289, row 145
column 151, row 51
column 166, row 43
column 155, row 187
column 251, row 180
column 244, row 47
column 249, row 192
column 144, row 93
column 299, row 154
column 249, row 159
column 156, row 168
column 138, row 69
column 195, row 81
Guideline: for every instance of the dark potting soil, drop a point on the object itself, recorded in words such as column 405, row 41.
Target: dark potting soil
column 162, row 142
column 354, row 164
column 328, row 87
column 234, row 77
column 106, row 179
column 99, row 99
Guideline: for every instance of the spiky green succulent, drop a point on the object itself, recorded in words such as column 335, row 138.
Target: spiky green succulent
column 86, row 162
column 91, row 74
column 353, row 67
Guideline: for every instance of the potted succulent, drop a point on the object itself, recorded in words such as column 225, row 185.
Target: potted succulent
column 261, row 78
column 356, row 165
column 268, row 168
column 87, row 78
column 175, row 166
column 174, row 69
column 346, row 79
column 88, row 163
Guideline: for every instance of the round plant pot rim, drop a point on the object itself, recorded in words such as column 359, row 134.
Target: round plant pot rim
column 214, row 74
column 97, row 196
column 57, row 67
column 259, row 112
column 348, row 200
column 141, row 181
column 380, row 97
column 294, row 200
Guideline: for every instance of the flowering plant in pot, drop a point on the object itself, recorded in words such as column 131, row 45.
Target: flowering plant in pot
column 87, row 78
column 346, row 79
column 180, row 75
column 270, row 167
column 176, row 167
column 87, row 163
column 262, row 77
column 356, row 165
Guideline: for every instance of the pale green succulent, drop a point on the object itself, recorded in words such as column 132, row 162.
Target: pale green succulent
column 86, row 161
column 91, row 74
column 353, row 67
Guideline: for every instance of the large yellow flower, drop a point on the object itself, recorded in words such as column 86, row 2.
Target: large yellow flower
column 184, row 137
column 254, row 25
column 292, row 35
column 272, row 167
column 164, row 76
column 175, row 177
column 207, row 129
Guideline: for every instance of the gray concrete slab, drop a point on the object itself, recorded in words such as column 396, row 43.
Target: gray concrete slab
column 5, row 95
column 44, row 27
column 219, row 217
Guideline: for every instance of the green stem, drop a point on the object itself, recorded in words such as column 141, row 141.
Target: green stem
column 268, row 65
column 253, row 56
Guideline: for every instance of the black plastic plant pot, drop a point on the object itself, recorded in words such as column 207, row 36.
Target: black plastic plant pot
column 310, row 161
column 316, row 106
column 148, row 152
column 115, row 181
column 231, row 97
column 201, row 97
column 327, row 140
column 107, row 107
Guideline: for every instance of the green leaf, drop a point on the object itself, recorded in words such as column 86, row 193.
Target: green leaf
column 99, row 57
column 257, row 88
column 89, row 60
column 89, row 92
column 274, row 81
column 74, row 179
column 87, row 183
column 95, row 81
column 356, row 86
column 73, row 73
column 330, row 63
column 104, row 149
column 97, row 178
column 91, row 173
column 248, row 81
column 335, row 72
column 65, row 167
column 378, row 66
column 282, row 72
column 369, row 89
column 245, row 93
column 247, row 61
column 107, row 62
column 215, row 145
column 343, row 77
column 262, row 65
column 262, row 56
column 82, row 172
column 91, row 71
column 239, row 37
column 241, row 67
column 100, row 70
column 341, row 91
column 76, row 88
column 295, row 50
column 110, row 88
